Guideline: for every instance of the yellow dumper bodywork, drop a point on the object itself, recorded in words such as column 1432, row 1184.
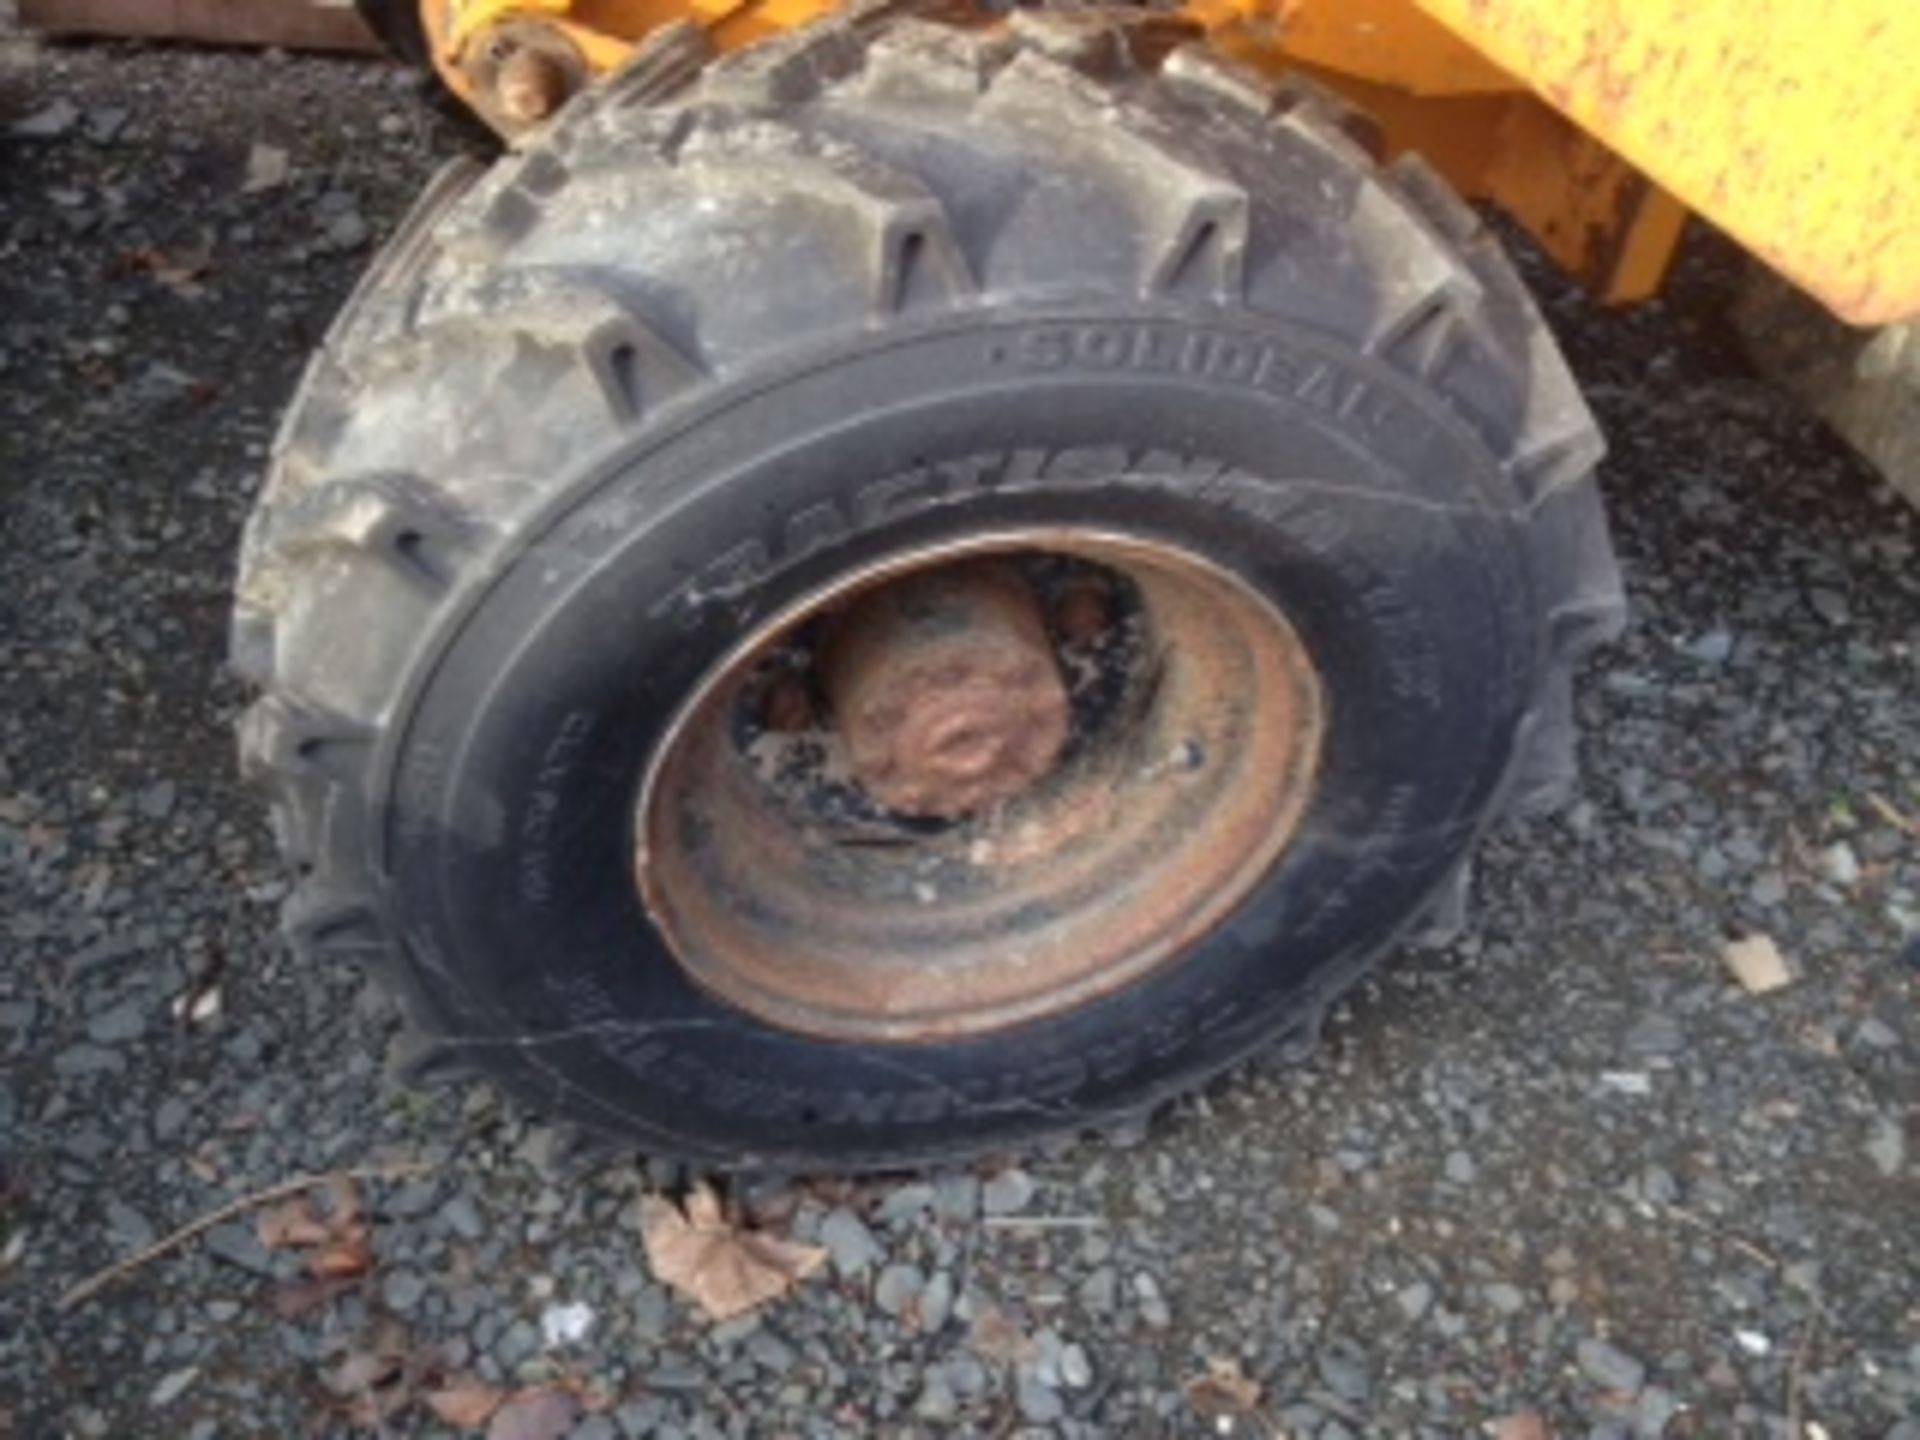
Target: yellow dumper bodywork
column 1794, row 127
column 1599, row 124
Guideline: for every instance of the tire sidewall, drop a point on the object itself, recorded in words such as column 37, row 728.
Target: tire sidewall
column 1363, row 509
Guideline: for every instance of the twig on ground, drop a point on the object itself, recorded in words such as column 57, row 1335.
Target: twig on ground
column 1797, row 1380
column 94, row 1284
column 1042, row 1222
column 1737, row 1242
column 1726, row 1237
column 1887, row 812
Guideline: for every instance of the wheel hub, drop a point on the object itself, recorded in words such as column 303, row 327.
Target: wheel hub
column 974, row 787
column 946, row 690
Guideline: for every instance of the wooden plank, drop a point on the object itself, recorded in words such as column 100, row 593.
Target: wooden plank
column 288, row 24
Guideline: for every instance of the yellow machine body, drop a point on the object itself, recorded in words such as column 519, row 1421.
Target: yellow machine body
column 1598, row 124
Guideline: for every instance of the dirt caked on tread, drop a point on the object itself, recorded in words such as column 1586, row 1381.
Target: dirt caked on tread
column 692, row 231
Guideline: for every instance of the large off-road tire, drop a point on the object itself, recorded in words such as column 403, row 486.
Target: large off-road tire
column 722, row 336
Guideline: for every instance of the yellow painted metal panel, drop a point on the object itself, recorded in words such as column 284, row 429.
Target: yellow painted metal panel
column 1599, row 218
column 1794, row 126
column 1388, row 42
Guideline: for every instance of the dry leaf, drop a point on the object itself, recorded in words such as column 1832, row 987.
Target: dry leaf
column 1524, row 1425
column 725, row 1270
column 178, row 270
column 371, row 1409
column 350, row 1255
column 993, row 1336
column 293, row 1300
column 339, row 1243
column 535, row 1415
column 345, row 1198
column 466, row 1405
column 267, row 167
column 291, row 1225
column 1756, row 962
column 364, row 1370
column 376, row 1380
column 1223, row 1390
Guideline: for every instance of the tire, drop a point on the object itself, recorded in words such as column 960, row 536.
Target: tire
column 723, row 332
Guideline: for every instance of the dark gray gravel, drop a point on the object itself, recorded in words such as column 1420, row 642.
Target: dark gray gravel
column 1564, row 1167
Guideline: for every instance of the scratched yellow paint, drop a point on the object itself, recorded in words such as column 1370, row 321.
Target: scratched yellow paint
column 1792, row 124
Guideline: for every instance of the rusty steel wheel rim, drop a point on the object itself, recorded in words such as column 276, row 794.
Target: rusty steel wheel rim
column 978, row 785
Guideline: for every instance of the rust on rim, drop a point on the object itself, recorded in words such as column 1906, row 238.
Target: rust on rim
column 978, row 785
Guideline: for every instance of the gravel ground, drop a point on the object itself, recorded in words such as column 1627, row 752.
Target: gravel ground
column 1564, row 1174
